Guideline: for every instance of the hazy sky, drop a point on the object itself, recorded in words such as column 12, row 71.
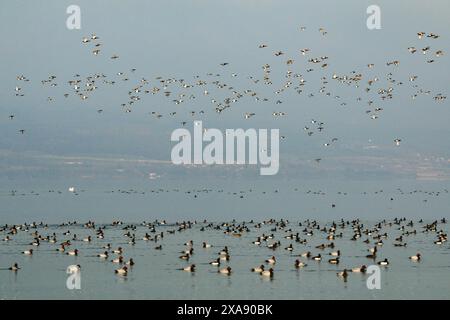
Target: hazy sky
column 67, row 142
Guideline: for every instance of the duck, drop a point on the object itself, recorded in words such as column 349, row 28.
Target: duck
column 119, row 250
column 117, row 260
column 122, row 271
column 72, row 252
column 361, row 269
column 190, row 268
column 206, row 245
column 215, row 262
column 400, row 244
column 271, row 260
column 372, row 255
column 190, row 251
column 417, row 257
column 14, row 267
column 226, row 270
column 305, row 254
column 299, row 264
column 318, row 257
column 75, row 268
column 147, row 237
column 28, row 252
column 130, row 262
column 385, row 262
column 334, row 261
column 343, row 274
column 273, row 245
column 224, row 251
column 185, row 256
column 267, row 273
column 225, row 257
column 336, row 253
column 103, row 255
column 258, row 269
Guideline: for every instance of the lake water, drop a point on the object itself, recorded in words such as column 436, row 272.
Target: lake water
column 156, row 274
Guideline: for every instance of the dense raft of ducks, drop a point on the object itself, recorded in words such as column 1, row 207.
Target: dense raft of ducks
column 297, row 240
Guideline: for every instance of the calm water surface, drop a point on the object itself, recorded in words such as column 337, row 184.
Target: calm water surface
column 156, row 274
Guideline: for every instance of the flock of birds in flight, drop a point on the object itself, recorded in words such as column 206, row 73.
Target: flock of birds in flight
column 296, row 240
column 213, row 85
